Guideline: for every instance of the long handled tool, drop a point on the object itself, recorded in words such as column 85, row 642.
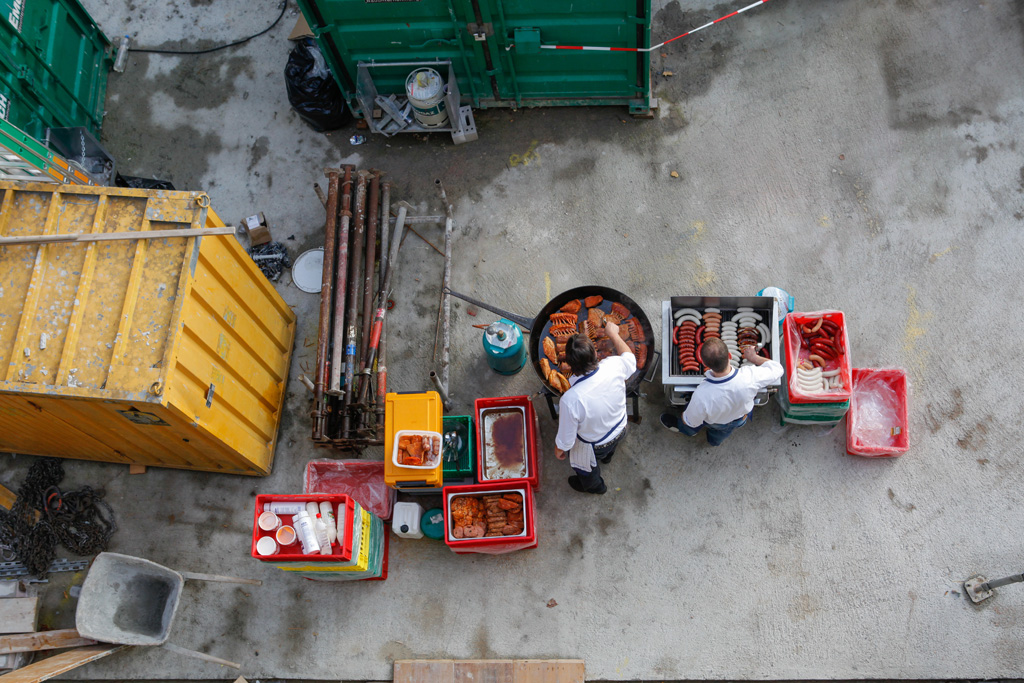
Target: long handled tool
column 979, row 589
column 382, row 299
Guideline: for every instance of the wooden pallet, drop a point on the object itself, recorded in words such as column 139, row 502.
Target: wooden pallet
column 489, row 671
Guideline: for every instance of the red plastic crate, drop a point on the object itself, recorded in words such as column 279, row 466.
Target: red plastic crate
column 895, row 379
column 532, row 436
column 340, row 551
column 796, row 352
column 495, row 545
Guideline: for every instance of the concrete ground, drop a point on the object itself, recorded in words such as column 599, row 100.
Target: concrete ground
column 861, row 154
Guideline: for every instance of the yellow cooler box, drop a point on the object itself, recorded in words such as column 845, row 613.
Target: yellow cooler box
column 416, row 412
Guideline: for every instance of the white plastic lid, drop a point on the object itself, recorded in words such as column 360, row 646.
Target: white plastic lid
column 308, row 271
column 266, row 546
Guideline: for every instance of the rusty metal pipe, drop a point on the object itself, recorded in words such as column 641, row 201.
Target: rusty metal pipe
column 326, row 287
column 369, row 283
column 338, row 335
column 355, row 281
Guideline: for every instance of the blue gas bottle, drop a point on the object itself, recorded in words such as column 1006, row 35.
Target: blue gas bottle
column 504, row 347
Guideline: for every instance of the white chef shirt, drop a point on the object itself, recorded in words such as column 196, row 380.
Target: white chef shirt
column 720, row 400
column 596, row 405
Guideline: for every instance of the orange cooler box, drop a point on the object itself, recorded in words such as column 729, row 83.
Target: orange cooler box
column 421, row 412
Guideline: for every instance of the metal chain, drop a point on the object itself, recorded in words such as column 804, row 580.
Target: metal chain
column 79, row 520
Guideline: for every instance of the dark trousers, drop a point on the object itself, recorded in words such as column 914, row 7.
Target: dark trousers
column 592, row 480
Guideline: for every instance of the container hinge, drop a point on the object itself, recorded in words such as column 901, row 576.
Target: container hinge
column 480, row 32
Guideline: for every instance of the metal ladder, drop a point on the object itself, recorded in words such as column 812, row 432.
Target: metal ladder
column 23, row 158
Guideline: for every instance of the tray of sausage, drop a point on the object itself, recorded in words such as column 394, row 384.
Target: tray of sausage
column 739, row 327
column 486, row 515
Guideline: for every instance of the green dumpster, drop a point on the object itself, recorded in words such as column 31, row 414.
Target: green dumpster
column 501, row 52
column 54, row 61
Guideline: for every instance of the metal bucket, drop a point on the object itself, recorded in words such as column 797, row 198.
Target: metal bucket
column 426, row 90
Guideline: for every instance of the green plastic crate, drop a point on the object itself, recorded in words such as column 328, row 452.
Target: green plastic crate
column 465, row 466
column 54, row 61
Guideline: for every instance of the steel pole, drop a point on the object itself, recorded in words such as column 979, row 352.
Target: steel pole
column 338, row 336
column 369, row 285
column 354, row 282
column 326, row 287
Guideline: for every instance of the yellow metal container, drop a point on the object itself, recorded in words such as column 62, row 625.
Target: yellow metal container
column 411, row 411
column 169, row 352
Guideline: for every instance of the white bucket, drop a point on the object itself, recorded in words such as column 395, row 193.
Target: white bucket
column 426, row 90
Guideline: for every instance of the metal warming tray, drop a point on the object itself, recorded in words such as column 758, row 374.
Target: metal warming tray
column 679, row 385
column 492, row 470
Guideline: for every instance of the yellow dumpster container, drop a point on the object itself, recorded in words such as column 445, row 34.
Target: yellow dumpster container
column 170, row 352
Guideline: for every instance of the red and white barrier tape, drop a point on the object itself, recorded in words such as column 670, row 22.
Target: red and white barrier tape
column 653, row 47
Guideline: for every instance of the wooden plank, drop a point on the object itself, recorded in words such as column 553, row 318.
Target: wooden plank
column 7, row 497
column 424, row 671
column 549, row 671
column 136, row 469
column 18, row 615
column 59, row 663
column 43, row 640
column 113, row 236
column 484, row 671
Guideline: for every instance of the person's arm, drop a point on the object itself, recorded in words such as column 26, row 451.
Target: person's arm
column 767, row 371
column 567, row 428
column 612, row 330
column 694, row 414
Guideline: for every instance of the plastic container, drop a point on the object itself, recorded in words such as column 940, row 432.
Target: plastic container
column 432, row 523
column 268, row 521
column 417, row 411
column 340, row 552
column 887, row 389
column 496, row 545
column 431, row 464
column 464, row 466
column 286, row 535
column 407, row 520
column 797, row 351
column 532, row 430
column 266, row 546
column 361, row 480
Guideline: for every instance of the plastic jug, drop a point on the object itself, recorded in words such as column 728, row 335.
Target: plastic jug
column 405, row 521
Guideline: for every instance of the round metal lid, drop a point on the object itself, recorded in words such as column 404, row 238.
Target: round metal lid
column 308, row 271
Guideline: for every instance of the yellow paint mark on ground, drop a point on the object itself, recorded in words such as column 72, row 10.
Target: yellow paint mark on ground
column 547, row 286
column 823, row 221
column 699, row 230
column 913, row 330
column 529, row 156
column 625, row 663
column 939, row 254
column 703, row 278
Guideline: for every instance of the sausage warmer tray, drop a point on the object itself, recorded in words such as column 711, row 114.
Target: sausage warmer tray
column 679, row 385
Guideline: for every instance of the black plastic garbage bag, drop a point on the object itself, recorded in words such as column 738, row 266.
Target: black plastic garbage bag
column 312, row 91
column 141, row 183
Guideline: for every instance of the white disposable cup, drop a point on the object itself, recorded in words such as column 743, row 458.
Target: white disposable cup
column 266, row 546
column 286, row 535
column 269, row 521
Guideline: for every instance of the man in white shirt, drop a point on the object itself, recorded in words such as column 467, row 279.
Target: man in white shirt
column 725, row 399
column 592, row 413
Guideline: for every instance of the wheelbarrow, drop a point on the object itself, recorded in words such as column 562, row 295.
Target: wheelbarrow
column 131, row 601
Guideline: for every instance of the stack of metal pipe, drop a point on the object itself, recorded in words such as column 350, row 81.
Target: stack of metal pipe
column 351, row 375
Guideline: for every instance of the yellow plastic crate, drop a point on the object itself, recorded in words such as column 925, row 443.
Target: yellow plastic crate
column 411, row 411
column 169, row 352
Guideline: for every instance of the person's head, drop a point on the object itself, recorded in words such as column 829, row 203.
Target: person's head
column 580, row 354
column 715, row 354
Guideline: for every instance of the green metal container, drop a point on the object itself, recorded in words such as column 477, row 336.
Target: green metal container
column 494, row 48
column 465, row 465
column 54, row 61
